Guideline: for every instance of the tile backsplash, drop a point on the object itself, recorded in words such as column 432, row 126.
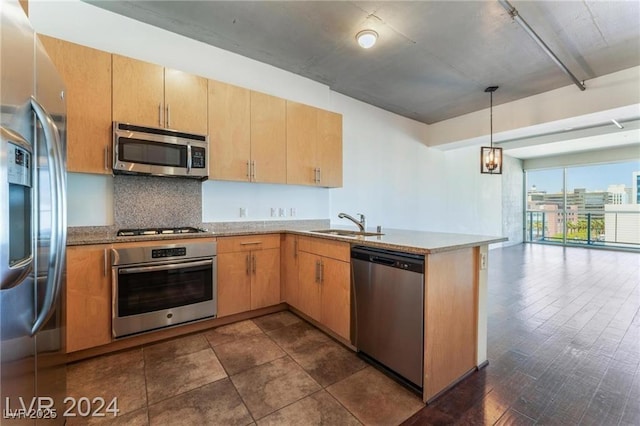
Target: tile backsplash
column 150, row 201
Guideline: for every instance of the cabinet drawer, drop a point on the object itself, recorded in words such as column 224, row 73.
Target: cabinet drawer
column 323, row 247
column 248, row 243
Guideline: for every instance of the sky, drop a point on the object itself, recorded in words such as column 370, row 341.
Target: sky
column 595, row 177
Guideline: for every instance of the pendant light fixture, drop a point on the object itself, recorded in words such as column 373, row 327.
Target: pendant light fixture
column 490, row 157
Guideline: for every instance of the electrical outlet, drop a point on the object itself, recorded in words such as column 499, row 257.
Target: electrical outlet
column 273, row 212
column 483, row 260
column 281, row 212
column 292, row 211
column 243, row 212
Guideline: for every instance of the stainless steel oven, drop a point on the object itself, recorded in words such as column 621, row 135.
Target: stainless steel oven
column 163, row 285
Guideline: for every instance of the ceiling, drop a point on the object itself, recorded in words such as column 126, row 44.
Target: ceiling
column 433, row 59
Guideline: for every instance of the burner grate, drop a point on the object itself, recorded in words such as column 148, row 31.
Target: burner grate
column 158, row 231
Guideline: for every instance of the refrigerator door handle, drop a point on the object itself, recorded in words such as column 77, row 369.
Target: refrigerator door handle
column 12, row 275
column 57, row 180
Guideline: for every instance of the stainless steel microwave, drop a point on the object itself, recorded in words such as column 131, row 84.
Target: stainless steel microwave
column 159, row 152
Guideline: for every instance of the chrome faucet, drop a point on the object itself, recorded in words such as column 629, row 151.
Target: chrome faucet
column 362, row 224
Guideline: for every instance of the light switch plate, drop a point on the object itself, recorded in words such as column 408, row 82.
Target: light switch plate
column 483, row 260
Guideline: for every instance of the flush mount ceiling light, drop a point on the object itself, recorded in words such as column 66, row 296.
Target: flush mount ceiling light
column 490, row 157
column 367, row 38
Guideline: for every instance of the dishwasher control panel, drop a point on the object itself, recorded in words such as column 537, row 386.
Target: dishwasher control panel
column 393, row 259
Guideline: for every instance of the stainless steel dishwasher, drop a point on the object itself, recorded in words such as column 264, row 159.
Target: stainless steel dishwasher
column 388, row 310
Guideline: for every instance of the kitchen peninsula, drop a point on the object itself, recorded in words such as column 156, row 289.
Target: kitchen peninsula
column 455, row 317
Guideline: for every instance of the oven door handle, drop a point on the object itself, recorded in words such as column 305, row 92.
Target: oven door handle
column 167, row 267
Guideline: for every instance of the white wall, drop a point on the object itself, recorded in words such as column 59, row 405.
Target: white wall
column 512, row 201
column 389, row 173
column 89, row 200
column 221, row 201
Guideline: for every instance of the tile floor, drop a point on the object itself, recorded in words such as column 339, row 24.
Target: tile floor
column 272, row 370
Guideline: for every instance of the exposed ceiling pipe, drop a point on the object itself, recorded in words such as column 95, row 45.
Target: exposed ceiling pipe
column 516, row 17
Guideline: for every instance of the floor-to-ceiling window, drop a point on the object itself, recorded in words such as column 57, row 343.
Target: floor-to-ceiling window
column 593, row 205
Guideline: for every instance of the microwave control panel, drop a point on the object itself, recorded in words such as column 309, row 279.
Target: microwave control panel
column 197, row 158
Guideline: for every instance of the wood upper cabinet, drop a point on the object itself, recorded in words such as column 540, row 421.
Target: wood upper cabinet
column 151, row 95
column 268, row 138
column 25, row 6
column 247, row 135
column 229, row 132
column 314, row 146
column 324, row 283
column 302, row 122
column 138, row 92
column 87, row 76
column 88, row 297
column 329, row 150
column 248, row 273
column 185, row 98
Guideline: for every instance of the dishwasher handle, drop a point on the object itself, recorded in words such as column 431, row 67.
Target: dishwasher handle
column 382, row 260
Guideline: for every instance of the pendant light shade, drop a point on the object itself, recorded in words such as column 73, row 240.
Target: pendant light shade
column 490, row 157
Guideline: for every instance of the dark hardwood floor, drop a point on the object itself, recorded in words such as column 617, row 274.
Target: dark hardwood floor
column 564, row 342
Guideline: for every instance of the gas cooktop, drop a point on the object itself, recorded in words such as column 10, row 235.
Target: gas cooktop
column 159, row 231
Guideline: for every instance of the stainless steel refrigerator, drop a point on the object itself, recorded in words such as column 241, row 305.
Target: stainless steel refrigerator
column 32, row 223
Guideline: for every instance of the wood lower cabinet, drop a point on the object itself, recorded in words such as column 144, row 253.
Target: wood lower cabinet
column 324, row 292
column 451, row 318
column 147, row 94
column 314, row 146
column 309, row 298
column 234, row 283
column 248, row 273
column 335, row 306
column 88, row 297
column 87, row 76
column 289, row 269
column 265, row 282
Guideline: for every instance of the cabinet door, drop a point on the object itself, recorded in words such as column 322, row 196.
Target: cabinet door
column 265, row 281
column 88, row 297
column 87, row 76
column 330, row 148
column 290, row 270
column 234, row 283
column 138, row 92
column 229, row 132
column 185, row 100
column 336, row 296
column 302, row 123
column 268, row 138
column 309, row 284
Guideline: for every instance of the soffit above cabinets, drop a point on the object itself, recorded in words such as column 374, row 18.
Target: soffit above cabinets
column 433, row 59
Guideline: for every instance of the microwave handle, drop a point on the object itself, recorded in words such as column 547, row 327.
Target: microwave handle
column 189, row 163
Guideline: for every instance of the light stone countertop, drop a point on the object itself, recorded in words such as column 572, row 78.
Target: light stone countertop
column 422, row 242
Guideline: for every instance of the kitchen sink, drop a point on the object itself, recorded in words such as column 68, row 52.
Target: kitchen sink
column 347, row 233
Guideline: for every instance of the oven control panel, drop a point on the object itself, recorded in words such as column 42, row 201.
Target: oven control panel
column 168, row 252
